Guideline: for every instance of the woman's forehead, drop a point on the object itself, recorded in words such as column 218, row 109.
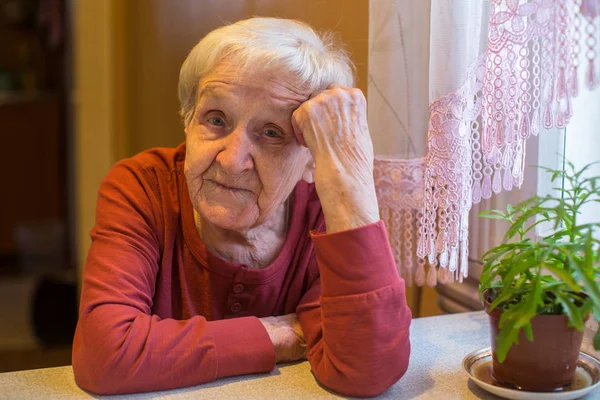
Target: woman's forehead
column 227, row 80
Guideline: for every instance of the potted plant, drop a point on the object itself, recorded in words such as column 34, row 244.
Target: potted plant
column 539, row 291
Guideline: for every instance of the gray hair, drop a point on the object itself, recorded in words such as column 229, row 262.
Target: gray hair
column 318, row 60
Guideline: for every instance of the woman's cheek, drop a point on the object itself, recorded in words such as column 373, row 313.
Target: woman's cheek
column 279, row 175
column 199, row 158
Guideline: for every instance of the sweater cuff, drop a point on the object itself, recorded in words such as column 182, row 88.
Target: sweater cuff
column 356, row 261
column 243, row 346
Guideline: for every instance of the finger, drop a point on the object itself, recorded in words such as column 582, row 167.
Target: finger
column 336, row 86
column 297, row 130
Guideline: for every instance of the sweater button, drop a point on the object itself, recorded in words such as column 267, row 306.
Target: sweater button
column 238, row 288
column 236, row 307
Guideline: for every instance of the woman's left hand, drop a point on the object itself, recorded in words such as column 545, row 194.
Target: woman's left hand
column 287, row 337
column 333, row 125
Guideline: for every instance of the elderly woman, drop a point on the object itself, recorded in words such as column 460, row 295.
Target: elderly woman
column 255, row 242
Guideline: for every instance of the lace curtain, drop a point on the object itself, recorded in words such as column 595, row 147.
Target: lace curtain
column 481, row 78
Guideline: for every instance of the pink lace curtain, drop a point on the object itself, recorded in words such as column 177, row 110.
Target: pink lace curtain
column 499, row 72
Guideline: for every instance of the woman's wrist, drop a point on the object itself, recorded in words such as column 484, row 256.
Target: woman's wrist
column 348, row 206
column 347, row 220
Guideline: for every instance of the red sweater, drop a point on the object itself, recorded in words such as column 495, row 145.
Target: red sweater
column 159, row 311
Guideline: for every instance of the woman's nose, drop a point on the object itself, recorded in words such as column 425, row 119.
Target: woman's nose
column 236, row 155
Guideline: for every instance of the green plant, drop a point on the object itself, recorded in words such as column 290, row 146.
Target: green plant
column 554, row 274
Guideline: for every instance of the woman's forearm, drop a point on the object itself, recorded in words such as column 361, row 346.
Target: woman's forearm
column 348, row 198
column 355, row 318
column 118, row 349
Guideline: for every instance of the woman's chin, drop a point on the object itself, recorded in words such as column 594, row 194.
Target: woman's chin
column 235, row 220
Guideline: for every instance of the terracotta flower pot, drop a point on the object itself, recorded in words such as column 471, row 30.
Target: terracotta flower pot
column 546, row 364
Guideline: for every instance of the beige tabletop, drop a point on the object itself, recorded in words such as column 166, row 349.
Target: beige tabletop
column 438, row 347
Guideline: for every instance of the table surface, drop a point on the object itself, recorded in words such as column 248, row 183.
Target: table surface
column 439, row 345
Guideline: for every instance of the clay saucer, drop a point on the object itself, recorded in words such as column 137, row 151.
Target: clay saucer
column 478, row 364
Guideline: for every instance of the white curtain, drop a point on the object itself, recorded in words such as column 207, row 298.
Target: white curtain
column 457, row 89
column 398, row 116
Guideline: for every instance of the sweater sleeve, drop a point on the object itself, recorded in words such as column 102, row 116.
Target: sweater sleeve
column 119, row 346
column 354, row 317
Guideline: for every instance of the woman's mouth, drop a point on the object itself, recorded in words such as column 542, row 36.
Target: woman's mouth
column 224, row 186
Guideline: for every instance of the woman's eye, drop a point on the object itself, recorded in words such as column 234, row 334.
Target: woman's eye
column 272, row 133
column 217, row 121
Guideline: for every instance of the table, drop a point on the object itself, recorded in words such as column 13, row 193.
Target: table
column 435, row 372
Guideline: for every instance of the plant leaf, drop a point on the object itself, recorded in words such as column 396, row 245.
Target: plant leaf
column 520, row 221
column 494, row 216
column 528, row 332
column 575, row 318
column 564, row 276
column 510, row 209
column 597, row 340
column 517, row 317
column 586, row 271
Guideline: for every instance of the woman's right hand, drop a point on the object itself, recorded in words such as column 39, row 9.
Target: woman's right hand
column 287, row 337
column 333, row 125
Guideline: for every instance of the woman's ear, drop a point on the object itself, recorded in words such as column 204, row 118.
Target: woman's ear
column 309, row 172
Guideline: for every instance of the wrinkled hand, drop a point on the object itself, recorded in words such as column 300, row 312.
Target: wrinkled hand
column 333, row 125
column 287, row 337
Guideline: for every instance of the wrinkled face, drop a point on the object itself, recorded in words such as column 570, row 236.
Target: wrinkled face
column 242, row 158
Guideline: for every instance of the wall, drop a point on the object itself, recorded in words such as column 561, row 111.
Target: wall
column 94, row 98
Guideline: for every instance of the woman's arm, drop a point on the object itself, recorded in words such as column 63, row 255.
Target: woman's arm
column 119, row 346
column 355, row 318
column 333, row 125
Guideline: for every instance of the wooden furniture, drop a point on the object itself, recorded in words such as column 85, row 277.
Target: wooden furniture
column 33, row 133
column 32, row 173
column 31, row 165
